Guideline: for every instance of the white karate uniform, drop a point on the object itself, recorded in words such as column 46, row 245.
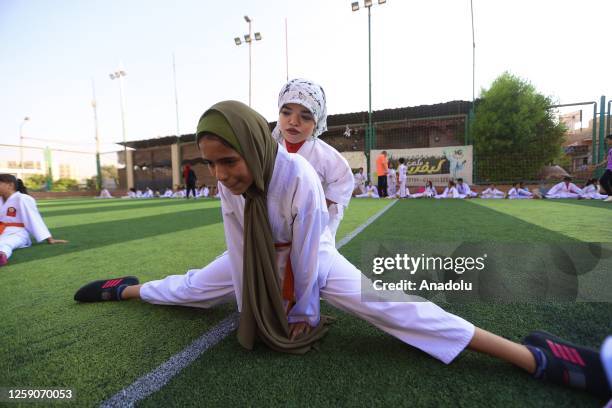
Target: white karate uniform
column 371, row 192
column 179, row 194
column 203, row 192
column 449, row 192
column 391, row 182
column 167, row 194
column 335, row 175
column 104, row 194
column 562, row 190
column 298, row 215
column 464, row 191
column 403, row 191
column 492, row 193
column 21, row 209
column 428, row 193
column 591, row 192
column 359, row 182
column 148, row 193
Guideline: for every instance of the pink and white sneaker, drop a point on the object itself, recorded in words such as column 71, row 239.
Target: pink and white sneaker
column 3, row 259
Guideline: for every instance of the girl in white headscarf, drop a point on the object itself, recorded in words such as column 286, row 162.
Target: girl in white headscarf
column 302, row 119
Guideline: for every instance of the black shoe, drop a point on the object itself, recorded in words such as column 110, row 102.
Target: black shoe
column 108, row 289
column 570, row 365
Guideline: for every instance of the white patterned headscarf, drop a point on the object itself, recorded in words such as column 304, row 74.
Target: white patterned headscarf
column 309, row 95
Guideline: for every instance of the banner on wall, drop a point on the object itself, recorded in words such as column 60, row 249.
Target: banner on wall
column 438, row 164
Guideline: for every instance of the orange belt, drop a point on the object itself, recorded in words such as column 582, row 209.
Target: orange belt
column 288, row 282
column 3, row 225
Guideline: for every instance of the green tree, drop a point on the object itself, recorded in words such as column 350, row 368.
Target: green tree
column 110, row 172
column 515, row 132
column 65, row 184
column 35, row 182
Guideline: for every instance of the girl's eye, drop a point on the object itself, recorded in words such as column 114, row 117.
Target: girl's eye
column 306, row 118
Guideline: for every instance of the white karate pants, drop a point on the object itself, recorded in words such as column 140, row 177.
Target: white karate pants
column 14, row 240
column 420, row 324
column 402, row 189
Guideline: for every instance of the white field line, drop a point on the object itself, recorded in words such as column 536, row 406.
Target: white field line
column 160, row 376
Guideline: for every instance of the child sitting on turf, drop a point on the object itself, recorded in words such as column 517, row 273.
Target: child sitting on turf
column 281, row 261
column 370, row 192
column 104, row 193
column 492, row 192
column 131, row 193
column 204, row 192
column 591, row 191
column 179, row 192
column 449, row 192
column 464, row 190
column 565, row 189
column 19, row 218
column 428, row 191
column 359, row 182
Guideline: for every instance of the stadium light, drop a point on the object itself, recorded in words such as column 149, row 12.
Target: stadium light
column 369, row 137
column 249, row 39
column 25, row 119
column 119, row 74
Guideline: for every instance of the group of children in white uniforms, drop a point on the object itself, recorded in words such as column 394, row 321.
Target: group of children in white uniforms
column 461, row 190
column 275, row 213
column 203, row 192
column 19, row 218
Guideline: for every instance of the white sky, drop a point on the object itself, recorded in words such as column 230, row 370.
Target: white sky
column 421, row 54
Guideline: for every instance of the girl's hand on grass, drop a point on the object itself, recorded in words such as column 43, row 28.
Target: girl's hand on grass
column 52, row 241
column 298, row 329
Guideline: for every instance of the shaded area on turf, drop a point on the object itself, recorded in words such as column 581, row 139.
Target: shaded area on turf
column 572, row 221
column 87, row 236
column 586, row 203
column 77, row 210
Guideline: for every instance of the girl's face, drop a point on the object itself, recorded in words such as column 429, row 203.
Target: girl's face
column 6, row 189
column 226, row 164
column 296, row 123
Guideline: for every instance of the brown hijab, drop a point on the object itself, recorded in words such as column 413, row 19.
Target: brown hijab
column 262, row 315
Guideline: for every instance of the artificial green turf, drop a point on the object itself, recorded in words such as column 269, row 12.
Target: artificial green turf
column 357, row 365
column 97, row 349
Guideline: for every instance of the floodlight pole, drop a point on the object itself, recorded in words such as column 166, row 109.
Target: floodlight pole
column 25, row 119
column 369, row 138
column 249, row 38
column 95, row 112
column 119, row 74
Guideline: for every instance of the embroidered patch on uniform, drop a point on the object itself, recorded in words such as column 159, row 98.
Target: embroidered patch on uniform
column 11, row 212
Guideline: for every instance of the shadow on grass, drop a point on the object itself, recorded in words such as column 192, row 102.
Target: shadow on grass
column 585, row 203
column 136, row 205
column 88, row 236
